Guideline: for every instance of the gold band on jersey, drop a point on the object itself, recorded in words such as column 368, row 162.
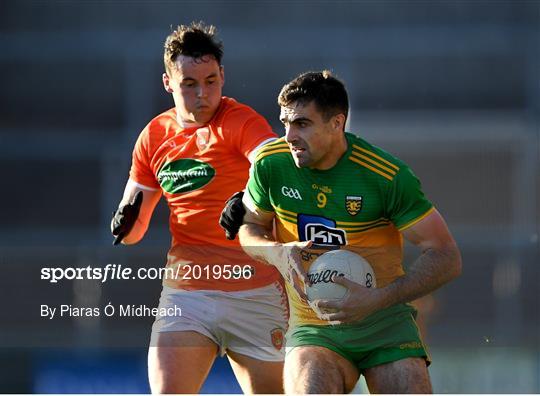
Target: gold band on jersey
column 373, row 162
column 376, row 224
column 414, row 221
column 262, row 155
column 372, row 154
column 350, row 227
column 286, row 215
column 279, row 146
column 274, row 143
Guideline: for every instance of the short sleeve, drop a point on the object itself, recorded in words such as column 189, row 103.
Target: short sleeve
column 141, row 170
column 248, row 130
column 258, row 187
column 407, row 203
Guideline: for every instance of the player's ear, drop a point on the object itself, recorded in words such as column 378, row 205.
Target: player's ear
column 167, row 83
column 338, row 122
column 222, row 74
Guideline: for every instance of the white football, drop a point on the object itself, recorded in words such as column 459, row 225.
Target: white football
column 337, row 263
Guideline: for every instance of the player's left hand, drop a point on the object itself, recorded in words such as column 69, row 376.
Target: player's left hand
column 232, row 215
column 358, row 303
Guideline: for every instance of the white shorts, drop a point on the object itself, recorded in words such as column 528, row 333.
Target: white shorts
column 250, row 322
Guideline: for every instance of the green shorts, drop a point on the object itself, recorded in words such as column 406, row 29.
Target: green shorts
column 383, row 337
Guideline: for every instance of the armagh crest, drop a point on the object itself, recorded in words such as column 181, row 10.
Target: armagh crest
column 277, row 338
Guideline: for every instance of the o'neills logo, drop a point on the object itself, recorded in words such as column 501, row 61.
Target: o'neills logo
column 325, row 276
column 185, row 175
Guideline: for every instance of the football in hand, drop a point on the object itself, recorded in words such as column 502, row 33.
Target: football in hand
column 334, row 263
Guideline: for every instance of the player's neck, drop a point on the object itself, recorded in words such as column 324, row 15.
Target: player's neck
column 187, row 123
column 338, row 148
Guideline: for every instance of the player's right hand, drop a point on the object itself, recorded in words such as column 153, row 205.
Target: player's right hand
column 290, row 266
column 125, row 217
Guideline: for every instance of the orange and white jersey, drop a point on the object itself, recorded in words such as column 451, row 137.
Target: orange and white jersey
column 197, row 169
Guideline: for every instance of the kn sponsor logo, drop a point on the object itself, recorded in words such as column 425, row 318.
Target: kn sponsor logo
column 321, row 230
column 291, row 193
column 326, row 236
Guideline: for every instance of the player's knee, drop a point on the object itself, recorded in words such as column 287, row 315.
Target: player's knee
column 158, row 387
column 409, row 375
column 311, row 374
column 268, row 387
column 158, row 382
column 160, row 377
column 163, row 382
column 269, row 382
column 420, row 383
column 314, row 385
column 329, row 386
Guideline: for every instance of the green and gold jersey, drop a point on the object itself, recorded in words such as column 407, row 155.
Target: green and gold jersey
column 361, row 204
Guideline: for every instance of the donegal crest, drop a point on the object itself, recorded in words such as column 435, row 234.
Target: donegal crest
column 353, row 204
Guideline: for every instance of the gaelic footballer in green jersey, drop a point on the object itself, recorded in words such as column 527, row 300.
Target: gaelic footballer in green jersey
column 360, row 203
column 321, row 186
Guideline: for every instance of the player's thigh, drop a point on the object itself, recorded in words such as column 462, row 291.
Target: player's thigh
column 179, row 361
column 409, row 375
column 254, row 328
column 257, row 376
column 316, row 369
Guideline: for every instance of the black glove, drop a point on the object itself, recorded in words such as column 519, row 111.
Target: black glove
column 232, row 215
column 125, row 217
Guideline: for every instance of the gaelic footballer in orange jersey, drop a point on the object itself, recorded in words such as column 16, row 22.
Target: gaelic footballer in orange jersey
column 196, row 155
column 197, row 168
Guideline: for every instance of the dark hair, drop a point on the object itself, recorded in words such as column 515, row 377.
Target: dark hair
column 328, row 93
column 195, row 40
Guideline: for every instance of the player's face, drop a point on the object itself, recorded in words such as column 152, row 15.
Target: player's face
column 196, row 85
column 314, row 142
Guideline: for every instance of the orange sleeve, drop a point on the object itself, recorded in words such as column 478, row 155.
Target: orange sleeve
column 141, row 169
column 250, row 129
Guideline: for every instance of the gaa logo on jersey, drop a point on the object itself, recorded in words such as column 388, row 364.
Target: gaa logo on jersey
column 185, row 175
column 291, row 192
column 353, row 204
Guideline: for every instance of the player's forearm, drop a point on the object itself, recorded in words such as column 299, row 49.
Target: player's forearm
column 431, row 270
column 258, row 242
column 141, row 224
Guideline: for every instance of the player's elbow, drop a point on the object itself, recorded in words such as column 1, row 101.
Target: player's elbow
column 249, row 232
column 453, row 258
column 244, row 233
column 458, row 264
